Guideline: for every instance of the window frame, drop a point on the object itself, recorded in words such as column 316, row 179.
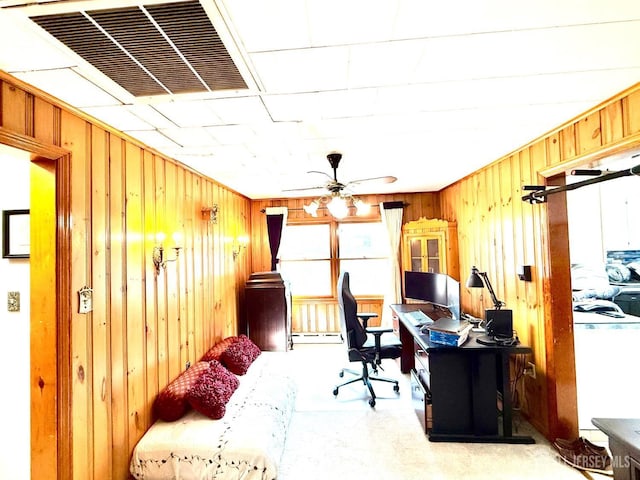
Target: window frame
column 334, row 261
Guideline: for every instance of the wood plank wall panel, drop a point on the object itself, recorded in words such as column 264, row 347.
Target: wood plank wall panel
column 152, row 337
column 117, row 302
column 143, row 327
column 102, row 454
column 498, row 232
column 76, row 138
column 320, row 315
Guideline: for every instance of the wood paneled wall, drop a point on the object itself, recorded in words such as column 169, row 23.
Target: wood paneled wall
column 320, row 315
column 107, row 366
column 497, row 231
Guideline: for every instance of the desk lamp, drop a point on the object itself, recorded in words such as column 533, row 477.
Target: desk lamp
column 498, row 322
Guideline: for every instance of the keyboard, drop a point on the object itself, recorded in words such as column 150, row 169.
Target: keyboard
column 418, row 317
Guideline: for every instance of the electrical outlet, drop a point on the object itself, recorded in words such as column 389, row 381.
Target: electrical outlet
column 13, row 301
column 530, row 370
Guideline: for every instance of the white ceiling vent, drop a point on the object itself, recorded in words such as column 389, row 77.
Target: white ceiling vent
column 155, row 49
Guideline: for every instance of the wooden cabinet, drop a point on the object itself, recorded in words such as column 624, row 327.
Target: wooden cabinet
column 268, row 310
column 430, row 245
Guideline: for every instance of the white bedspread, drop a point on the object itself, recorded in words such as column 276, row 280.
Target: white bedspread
column 246, row 443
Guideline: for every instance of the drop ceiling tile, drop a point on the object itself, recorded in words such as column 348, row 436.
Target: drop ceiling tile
column 336, row 22
column 416, row 18
column 150, row 115
column 194, row 113
column 119, row 117
column 380, row 64
column 237, row 110
column 35, row 52
column 68, row 86
column 305, row 70
column 154, row 139
column 195, row 137
column 268, row 26
column 231, row 134
column 521, row 53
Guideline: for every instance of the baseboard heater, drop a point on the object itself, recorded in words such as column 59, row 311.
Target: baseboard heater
column 316, row 338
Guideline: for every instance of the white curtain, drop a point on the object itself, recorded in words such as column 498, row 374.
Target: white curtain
column 391, row 213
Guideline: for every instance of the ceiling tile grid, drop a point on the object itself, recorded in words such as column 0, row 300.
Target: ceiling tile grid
column 398, row 86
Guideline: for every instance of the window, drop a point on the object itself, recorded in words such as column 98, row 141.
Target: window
column 364, row 253
column 305, row 259
column 311, row 262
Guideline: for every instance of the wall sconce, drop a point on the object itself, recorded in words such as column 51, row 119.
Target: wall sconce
column 240, row 244
column 159, row 257
column 210, row 213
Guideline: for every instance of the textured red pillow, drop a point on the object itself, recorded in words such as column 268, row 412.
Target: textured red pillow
column 217, row 350
column 240, row 355
column 171, row 403
column 210, row 394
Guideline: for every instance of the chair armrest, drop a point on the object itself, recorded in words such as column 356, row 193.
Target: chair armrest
column 365, row 316
column 379, row 330
column 377, row 333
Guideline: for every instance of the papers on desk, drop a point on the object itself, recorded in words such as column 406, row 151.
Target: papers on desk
column 449, row 331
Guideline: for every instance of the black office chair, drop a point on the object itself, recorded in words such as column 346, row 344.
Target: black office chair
column 370, row 350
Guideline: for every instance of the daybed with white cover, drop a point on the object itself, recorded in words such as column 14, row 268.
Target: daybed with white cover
column 246, row 443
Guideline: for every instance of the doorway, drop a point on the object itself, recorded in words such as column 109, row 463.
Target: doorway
column 602, row 222
column 49, row 324
column 14, row 321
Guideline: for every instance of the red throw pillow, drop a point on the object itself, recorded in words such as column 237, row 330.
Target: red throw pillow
column 217, row 350
column 212, row 391
column 240, row 355
column 171, row 403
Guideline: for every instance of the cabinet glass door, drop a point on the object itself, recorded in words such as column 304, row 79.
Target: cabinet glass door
column 433, row 255
column 425, row 254
column 416, row 255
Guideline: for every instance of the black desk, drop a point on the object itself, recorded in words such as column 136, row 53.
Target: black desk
column 465, row 384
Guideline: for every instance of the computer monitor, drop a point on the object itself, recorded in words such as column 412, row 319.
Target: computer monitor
column 436, row 288
column 453, row 296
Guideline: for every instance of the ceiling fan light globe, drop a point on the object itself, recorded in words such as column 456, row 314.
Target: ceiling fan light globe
column 338, row 207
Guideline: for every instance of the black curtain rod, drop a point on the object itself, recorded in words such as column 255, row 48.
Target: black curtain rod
column 540, row 193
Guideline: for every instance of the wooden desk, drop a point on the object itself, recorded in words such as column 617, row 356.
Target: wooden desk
column 464, row 384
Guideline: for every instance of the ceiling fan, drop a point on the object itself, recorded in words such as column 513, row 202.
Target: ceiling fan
column 335, row 186
column 338, row 193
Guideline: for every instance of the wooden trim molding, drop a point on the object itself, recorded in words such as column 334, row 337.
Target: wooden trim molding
column 51, row 432
column 619, row 148
column 31, row 145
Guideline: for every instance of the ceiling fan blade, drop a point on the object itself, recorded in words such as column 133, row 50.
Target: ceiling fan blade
column 385, row 179
column 321, row 173
column 318, row 187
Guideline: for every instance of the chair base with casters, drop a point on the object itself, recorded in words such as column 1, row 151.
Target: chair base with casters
column 366, row 378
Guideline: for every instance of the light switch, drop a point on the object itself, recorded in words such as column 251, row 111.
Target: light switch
column 13, row 301
column 85, row 300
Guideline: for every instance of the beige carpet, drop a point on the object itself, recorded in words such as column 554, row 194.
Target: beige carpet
column 342, row 437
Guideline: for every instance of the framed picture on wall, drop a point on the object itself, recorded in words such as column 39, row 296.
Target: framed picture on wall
column 16, row 236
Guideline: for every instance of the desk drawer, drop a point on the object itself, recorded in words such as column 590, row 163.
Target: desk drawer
column 421, row 403
column 421, row 367
column 421, row 358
